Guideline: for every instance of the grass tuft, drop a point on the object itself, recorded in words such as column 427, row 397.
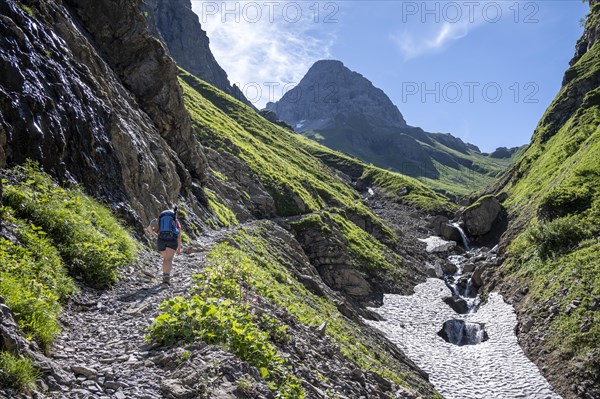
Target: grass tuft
column 17, row 372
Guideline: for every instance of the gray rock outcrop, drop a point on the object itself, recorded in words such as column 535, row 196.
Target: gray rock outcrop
column 436, row 244
column 479, row 217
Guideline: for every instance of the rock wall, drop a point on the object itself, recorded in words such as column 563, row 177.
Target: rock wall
column 174, row 22
column 79, row 94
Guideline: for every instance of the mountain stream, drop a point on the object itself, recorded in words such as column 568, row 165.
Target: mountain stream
column 474, row 355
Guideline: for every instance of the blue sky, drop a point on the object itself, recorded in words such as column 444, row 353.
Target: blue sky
column 484, row 71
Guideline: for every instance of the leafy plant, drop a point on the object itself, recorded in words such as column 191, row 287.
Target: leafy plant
column 17, row 372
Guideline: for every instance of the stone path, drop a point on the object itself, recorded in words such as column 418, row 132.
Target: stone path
column 102, row 344
column 494, row 369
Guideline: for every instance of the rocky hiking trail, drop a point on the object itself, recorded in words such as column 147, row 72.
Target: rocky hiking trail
column 102, row 348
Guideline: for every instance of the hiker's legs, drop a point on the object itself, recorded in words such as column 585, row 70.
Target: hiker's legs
column 168, row 254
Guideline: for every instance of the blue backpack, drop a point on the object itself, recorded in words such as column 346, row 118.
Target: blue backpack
column 167, row 226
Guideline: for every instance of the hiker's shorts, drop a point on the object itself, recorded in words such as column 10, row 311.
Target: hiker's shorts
column 161, row 244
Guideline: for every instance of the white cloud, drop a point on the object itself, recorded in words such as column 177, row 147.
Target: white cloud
column 274, row 47
column 433, row 29
column 415, row 43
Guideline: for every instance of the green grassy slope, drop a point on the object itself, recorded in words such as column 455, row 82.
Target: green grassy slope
column 442, row 168
column 49, row 235
column 555, row 204
column 465, row 180
column 283, row 161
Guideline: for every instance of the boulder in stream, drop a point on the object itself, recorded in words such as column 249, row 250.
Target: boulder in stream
column 479, row 218
column 450, row 232
column 437, row 244
column 457, row 303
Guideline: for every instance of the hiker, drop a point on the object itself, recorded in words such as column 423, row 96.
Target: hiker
column 167, row 230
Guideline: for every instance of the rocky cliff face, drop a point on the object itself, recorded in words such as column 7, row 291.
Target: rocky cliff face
column 79, row 94
column 344, row 111
column 174, row 22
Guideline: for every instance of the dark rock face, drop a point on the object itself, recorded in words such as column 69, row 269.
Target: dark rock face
column 174, row 22
column 503, row 152
column 11, row 340
column 587, row 40
column 459, row 332
column 88, row 120
column 273, row 118
column 437, row 222
column 162, row 98
column 479, row 218
column 453, row 142
column 2, row 144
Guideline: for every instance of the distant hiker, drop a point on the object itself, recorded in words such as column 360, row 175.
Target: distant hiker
column 168, row 230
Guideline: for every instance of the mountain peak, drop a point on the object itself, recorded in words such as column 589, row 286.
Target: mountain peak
column 329, row 91
column 328, row 64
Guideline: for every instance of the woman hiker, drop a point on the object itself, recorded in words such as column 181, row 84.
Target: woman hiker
column 167, row 228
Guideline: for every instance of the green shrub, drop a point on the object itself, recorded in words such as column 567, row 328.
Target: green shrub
column 220, row 315
column 563, row 201
column 557, row 236
column 33, row 280
column 17, row 372
column 87, row 235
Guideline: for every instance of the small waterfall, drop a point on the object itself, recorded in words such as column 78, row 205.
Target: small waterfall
column 464, row 299
column 463, row 236
column 459, row 332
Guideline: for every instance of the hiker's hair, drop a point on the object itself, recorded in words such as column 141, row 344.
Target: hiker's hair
column 175, row 208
